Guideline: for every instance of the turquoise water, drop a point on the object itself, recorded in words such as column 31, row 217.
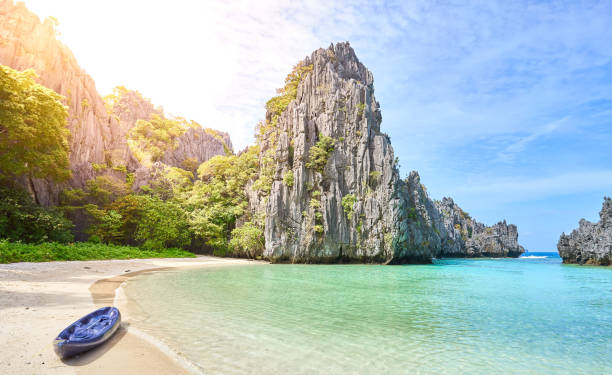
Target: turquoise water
column 458, row 316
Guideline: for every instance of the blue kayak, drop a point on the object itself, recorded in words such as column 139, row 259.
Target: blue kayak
column 88, row 332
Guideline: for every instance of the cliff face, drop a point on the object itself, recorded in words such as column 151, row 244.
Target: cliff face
column 591, row 243
column 27, row 43
column 198, row 144
column 97, row 136
column 307, row 221
column 356, row 207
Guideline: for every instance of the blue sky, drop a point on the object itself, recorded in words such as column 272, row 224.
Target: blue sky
column 506, row 106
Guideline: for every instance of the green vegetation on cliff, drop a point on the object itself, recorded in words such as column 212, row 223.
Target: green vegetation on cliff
column 320, row 152
column 33, row 133
column 288, row 93
column 348, row 204
column 150, row 140
column 267, row 132
column 218, row 199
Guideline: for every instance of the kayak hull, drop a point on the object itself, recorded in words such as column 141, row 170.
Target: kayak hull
column 87, row 333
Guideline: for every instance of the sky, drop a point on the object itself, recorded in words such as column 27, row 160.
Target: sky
column 506, row 106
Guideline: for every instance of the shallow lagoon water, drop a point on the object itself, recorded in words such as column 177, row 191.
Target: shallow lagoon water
column 457, row 316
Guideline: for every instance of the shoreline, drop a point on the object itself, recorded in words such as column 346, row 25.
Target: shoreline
column 38, row 300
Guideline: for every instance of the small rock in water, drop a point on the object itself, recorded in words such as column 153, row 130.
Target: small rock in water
column 590, row 243
column 87, row 268
column 126, row 271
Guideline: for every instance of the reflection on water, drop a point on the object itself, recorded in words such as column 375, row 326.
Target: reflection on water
column 510, row 316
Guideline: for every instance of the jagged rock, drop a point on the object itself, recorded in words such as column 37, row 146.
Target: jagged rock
column 130, row 107
column 391, row 220
column 465, row 237
column 591, row 243
column 98, row 134
column 198, row 144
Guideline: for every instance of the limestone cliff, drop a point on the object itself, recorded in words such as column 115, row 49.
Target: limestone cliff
column 354, row 207
column 27, row 43
column 195, row 146
column 591, row 243
column 98, row 133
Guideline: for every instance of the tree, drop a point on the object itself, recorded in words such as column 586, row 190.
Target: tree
column 106, row 226
column 163, row 224
column 103, row 190
column 218, row 198
column 132, row 208
column 247, row 239
column 167, row 182
column 150, row 140
column 33, row 133
column 23, row 220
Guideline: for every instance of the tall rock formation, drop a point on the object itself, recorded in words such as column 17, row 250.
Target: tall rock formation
column 98, row 133
column 306, row 221
column 591, row 243
column 350, row 205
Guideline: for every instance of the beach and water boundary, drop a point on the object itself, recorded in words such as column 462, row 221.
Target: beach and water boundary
column 38, row 300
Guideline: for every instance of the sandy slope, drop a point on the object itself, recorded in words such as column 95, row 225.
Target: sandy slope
column 37, row 300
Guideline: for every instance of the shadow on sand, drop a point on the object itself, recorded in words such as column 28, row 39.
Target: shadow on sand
column 92, row 355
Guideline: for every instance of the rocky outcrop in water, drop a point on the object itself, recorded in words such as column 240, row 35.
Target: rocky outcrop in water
column 98, row 133
column 351, row 205
column 465, row 237
column 591, row 243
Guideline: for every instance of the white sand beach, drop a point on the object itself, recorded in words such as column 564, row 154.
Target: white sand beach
column 38, row 300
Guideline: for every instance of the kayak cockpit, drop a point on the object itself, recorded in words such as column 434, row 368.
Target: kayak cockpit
column 88, row 332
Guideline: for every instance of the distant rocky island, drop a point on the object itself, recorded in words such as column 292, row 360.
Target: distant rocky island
column 321, row 184
column 591, row 243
